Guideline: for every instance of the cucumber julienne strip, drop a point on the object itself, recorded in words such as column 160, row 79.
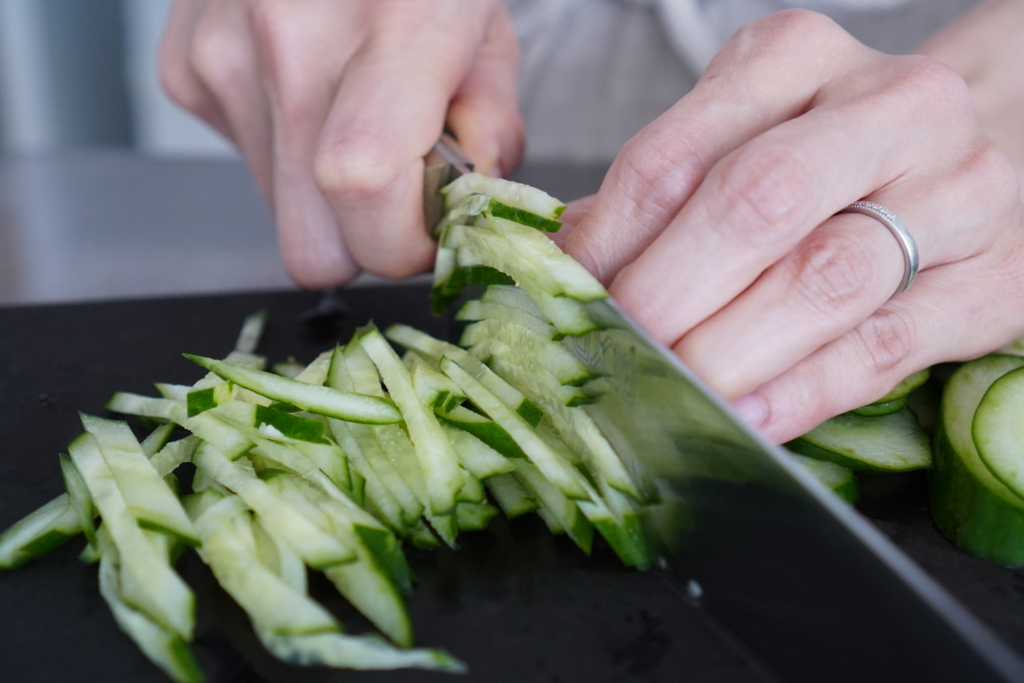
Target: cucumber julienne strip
column 147, row 495
column 38, row 533
column 313, row 399
column 317, row 547
column 158, row 591
column 434, row 349
column 269, row 601
column 510, row 193
column 534, row 447
column 165, row 649
column 444, row 476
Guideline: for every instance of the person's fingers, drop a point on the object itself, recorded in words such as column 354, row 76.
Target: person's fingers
column 769, row 72
column 570, row 218
column 761, row 200
column 956, row 311
column 484, row 114
column 835, row 278
column 224, row 58
column 299, row 77
column 388, row 112
column 843, row 271
column 175, row 69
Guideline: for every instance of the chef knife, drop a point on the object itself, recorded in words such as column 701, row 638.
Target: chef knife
column 808, row 585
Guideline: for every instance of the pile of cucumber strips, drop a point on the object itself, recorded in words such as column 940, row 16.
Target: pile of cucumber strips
column 334, row 465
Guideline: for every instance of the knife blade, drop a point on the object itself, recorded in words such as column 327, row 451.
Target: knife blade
column 444, row 163
column 812, row 588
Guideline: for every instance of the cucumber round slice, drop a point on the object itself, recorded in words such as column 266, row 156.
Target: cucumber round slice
column 891, row 443
column 885, row 408
column 838, row 478
column 998, row 429
column 969, row 505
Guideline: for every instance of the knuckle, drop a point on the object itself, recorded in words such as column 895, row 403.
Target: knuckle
column 935, row 87
column 996, row 178
column 886, row 340
column 831, row 272
column 654, row 180
column 351, row 170
column 781, row 29
column 217, row 57
column 761, row 196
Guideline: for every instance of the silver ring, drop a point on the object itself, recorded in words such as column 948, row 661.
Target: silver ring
column 911, row 258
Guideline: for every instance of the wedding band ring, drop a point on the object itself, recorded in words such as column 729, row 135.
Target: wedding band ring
column 911, row 258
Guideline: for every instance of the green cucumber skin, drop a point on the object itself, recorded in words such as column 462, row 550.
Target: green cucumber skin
column 38, row 547
column 886, row 408
column 995, row 429
column 445, row 292
column 852, row 440
column 974, row 518
column 200, row 401
column 803, row 447
column 529, row 411
column 490, row 433
column 523, row 217
column 387, row 552
column 848, row 491
column 292, row 426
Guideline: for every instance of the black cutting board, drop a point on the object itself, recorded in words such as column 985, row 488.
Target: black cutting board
column 513, row 602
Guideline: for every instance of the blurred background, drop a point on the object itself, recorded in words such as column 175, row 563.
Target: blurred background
column 108, row 189
column 82, row 74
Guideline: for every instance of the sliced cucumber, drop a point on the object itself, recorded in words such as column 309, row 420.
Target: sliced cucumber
column 474, row 516
column 969, row 505
column 477, row 457
column 208, row 428
column 314, row 544
column 164, row 648
column 525, row 255
column 79, row 499
column 268, row 600
column 201, row 400
column 885, row 408
column 308, row 397
column 363, row 582
column 560, row 474
column 906, row 385
column 434, row 349
column 889, row 443
column 39, row 532
column 565, row 511
column 485, row 429
column 151, row 585
column 998, row 430
column 355, row 652
column 511, row 496
column 509, row 193
column 444, row 476
column 836, row 477
column 251, row 332
column 435, row 390
column 152, row 503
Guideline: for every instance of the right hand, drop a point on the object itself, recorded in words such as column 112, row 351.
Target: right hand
column 334, row 104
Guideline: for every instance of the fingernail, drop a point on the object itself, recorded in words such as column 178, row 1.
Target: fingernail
column 751, row 410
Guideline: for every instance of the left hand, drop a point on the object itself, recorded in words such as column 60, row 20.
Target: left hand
column 716, row 226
